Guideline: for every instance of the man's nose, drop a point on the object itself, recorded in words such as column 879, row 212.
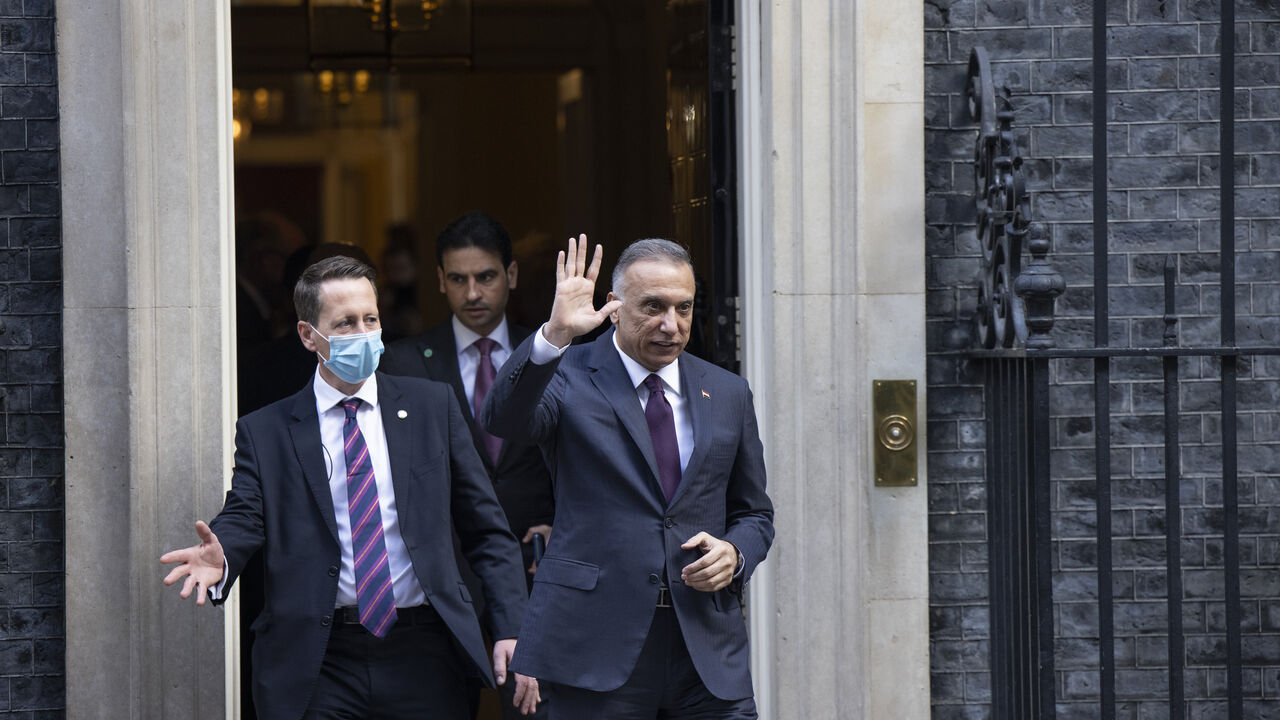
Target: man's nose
column 473, row 290
column 669, row 321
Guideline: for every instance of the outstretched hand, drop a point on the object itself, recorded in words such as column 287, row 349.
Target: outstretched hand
column 202, row 564
column 573, row 313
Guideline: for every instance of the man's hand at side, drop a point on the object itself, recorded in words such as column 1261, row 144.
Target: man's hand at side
column 573, row 311
column 201, row 564
column 715, row 569
column 545, row 532
column 527, row 696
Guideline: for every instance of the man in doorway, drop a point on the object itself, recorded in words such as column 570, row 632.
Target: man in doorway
column 659, row 479
column 352, row 489
column 477, row 274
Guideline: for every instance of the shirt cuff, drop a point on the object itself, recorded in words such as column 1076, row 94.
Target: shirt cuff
column 742, row 563
column 215, row 592
column 543, row 351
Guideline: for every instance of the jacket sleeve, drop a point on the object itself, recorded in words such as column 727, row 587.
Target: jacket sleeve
column 239, row 525
column 523, row 404
column 491, row 550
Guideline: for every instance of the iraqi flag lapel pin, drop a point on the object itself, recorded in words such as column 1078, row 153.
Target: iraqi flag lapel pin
column 706, row 395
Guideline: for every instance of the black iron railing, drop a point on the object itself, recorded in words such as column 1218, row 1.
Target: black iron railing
column 1014, row 334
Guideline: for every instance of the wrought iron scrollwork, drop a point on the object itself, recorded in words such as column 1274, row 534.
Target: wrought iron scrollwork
column 1014, row 305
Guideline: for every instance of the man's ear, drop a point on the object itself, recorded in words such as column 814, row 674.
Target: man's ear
column 613, row 316
column 511, row 275
column 440, row 274
column 307, row 336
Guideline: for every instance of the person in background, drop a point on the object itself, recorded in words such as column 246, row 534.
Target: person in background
column 477, row 274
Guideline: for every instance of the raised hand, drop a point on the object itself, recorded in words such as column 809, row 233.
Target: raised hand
column 573, row 313
column 202, row 564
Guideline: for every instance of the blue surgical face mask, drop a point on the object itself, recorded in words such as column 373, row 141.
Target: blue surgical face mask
column 353, row 358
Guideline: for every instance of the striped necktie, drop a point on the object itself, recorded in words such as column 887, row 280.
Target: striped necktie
column 374, row 596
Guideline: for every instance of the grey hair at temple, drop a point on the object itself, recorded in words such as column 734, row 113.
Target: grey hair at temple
column 647, row 249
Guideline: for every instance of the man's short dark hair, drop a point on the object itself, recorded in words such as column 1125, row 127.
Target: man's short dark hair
column 648, row 249
column 306, row 294
column 477, row 230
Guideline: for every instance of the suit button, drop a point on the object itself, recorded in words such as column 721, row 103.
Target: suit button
column 326, row 620
column 670, row 522
column 333, row 571
column 653, row 578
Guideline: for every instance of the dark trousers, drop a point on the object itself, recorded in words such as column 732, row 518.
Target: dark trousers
column 413, row 672
column 664, row 685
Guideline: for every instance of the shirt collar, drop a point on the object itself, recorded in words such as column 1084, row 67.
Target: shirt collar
column 327, row 396
column 466, row 337
column 670, row 374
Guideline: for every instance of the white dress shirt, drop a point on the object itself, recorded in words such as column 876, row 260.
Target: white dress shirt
column 469, row 354
column 404, row 582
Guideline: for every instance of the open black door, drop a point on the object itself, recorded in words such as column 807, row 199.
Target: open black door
column 701, row 144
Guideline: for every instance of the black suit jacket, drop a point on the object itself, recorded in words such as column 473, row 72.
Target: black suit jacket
column 280, row 503
column 520, row 478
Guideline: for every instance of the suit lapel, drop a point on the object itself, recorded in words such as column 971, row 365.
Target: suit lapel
column 611, row 379
column 399, row 434
column 692, row 383
column 305, row 432
column 439, row 351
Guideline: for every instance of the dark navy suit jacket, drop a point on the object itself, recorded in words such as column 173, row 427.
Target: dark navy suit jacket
column 596, row 589
column 280, row 502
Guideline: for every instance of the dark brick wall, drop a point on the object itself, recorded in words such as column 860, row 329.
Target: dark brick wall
column 1162, row 199
column 32, row 597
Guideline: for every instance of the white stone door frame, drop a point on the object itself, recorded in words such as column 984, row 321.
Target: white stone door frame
column 148, row 289
column 831, row 159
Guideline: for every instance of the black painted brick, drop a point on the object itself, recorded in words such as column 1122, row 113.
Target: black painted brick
column 1163, row 172
column 32, row 587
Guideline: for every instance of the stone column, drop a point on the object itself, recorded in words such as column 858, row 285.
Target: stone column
column 835, row 300
column 146, row 159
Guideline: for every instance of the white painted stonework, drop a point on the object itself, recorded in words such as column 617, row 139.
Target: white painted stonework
column 145, row 112
column 832, row 107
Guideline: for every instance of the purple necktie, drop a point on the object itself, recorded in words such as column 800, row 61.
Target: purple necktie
column 374, row 596
column 485, row 373
column 662, row 428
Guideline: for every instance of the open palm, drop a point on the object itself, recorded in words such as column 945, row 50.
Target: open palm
column 573, row 312
column 201, row 564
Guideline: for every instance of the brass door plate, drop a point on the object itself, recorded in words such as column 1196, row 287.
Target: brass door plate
column 895, row 428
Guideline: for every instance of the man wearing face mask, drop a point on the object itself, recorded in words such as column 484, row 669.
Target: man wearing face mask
column 352, row 489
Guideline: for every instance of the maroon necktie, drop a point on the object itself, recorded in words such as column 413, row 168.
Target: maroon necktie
column 485, row 373
column 662, row 429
